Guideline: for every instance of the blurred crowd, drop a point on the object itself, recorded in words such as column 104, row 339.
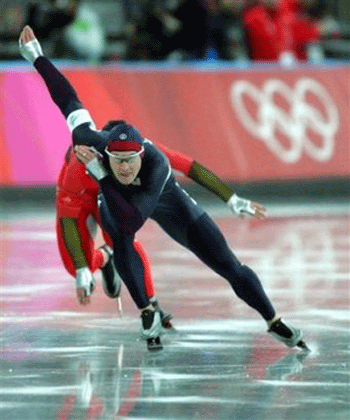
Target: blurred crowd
column 286, row 31
column 282, row 30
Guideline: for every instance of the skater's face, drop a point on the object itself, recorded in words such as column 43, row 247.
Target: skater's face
column 125, row 166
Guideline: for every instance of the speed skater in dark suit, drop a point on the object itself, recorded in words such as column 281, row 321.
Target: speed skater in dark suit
column 77, row 215
column 136, row 183
column 77, row 218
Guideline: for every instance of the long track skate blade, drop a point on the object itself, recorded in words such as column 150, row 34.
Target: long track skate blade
column 119, row 306
column 303, row 346
column 154, row 344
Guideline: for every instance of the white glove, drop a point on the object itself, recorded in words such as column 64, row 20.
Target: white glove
column 85, row 280
column 240, row 205
column 31, row 50
column 96, row 168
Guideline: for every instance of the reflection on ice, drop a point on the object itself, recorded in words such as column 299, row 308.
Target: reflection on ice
column 61, row 361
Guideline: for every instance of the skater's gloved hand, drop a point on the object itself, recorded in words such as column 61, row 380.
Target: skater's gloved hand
column 29, row 46
column 92, row 160
column 242, row 207
column 85, row 284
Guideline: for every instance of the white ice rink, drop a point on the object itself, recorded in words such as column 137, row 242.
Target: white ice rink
column 63, row 361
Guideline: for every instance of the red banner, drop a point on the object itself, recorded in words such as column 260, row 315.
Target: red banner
column 243, row 125
column 254, row 125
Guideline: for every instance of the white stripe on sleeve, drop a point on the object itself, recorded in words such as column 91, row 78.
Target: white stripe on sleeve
column 78, row 117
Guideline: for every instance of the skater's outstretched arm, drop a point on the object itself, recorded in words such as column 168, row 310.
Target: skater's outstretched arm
column 209, row 180
column 213, row 183
column 62, row 93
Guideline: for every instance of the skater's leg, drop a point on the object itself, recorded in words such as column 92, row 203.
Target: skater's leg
column 208, row 243
column 130, row 267
column 148, row 279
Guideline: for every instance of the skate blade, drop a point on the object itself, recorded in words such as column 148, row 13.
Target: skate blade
column 120, row 306
column 154, row 344
column 303, row 346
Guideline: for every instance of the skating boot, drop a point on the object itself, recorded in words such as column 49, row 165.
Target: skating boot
column 287, row 334
column 151, row 329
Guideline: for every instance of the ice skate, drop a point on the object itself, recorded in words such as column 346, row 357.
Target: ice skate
column 151, row 329
column 111, row 280
column 154, row 344
column 165, row 317
column 287, row 334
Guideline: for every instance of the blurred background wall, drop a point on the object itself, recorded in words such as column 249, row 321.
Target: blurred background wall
column 264, row 125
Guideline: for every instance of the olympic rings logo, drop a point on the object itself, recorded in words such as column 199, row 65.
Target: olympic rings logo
column 297, row 124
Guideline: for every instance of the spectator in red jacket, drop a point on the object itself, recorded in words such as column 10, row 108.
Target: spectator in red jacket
column 278, row 30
